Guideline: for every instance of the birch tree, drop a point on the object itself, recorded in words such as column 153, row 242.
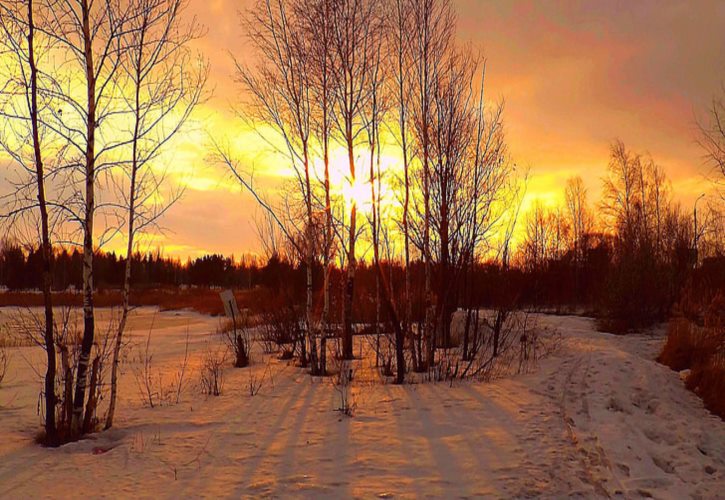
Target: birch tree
column 430, row 39
column 316, row 21
column 21, row 104
column 91, row 37
column 399, row 24
column 161, row 86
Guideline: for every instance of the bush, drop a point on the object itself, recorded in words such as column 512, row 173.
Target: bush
column 237, row 336
column 708, row 382
column 212, row 372
column 701, row 349
column 687, row 345
column 282, row 325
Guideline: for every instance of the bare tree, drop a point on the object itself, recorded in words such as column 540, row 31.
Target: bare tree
column 18, row 28
column 164, row 86
column 357, row 25
column 580, row 221
column 280, row 95
column 430, row 39
column 712, row 139
column 495, row 195
column 91, row 37
column 399, row 24
column 621, row 200
column 373, row 116
column 316, row 20
column 637, row 207
column 540, row 237
column 452, row 135
column 269, row 235
column 508, row 300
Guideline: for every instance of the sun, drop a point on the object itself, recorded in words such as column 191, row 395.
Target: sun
column 358, row 194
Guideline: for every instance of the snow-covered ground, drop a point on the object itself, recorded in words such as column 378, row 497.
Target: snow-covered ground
column 598, row 418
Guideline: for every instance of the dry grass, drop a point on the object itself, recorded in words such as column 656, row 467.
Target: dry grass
column 687, row 345
column 708, row 382
column 201, row 300
column 701, row 349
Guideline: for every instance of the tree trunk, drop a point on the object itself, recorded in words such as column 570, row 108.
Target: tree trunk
column 92, row 397
column 124, row 316
column 51, row 437
column 428, row 327
column 444, row 273
column 402, row 120
column 88, row 314
column 308, row 264
column 129, row 242
column 347, row 338
column 67, row 410
column 387, row 299
column 328, row 249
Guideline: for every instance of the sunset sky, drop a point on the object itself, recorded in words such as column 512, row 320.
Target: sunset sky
column 574, row 76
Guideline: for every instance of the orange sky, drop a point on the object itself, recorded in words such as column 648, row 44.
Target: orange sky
column 574, row 75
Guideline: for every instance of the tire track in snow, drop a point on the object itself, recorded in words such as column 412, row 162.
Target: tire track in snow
column 591, row 455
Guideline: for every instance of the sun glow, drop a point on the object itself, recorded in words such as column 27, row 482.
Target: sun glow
column 358, row 191
column 358, row 194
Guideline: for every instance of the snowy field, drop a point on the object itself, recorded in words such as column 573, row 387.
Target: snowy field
column 598, row 418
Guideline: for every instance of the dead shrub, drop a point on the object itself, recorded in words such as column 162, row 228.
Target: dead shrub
column 685, row 345
column 343, row 375
column 283, row 327
column 4, row 361
column 520, row 344
column 68, row 337
column 237, row 336
column 256, row 381
column 212, row 371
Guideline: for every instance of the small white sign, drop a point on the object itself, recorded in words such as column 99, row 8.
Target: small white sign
column 230, row 304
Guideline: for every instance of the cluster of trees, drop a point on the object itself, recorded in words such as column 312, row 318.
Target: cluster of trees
column 92, row 93
column 359, row 76
column 629, row 265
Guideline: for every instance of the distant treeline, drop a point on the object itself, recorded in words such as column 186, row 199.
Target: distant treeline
column 20, row 269
column 560, row 282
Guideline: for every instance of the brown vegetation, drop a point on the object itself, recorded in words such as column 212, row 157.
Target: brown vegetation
column 700, row 349
column 201, row 300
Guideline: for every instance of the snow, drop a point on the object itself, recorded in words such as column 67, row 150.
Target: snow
column 598, row 418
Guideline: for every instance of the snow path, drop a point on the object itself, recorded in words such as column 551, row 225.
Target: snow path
column 599, row 418
column 637, row 429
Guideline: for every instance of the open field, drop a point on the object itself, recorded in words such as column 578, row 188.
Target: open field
column 598, row 418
